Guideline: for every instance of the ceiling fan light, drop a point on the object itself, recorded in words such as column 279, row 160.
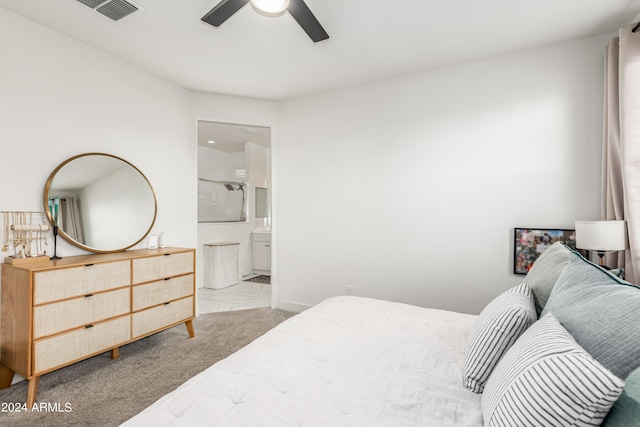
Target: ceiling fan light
column 271, row 6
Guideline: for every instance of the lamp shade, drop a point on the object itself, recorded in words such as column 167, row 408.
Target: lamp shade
column 601, row 236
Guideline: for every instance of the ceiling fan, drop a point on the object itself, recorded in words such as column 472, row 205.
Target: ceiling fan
column 297, row 8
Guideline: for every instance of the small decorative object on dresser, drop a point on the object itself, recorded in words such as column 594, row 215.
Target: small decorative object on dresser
column 162, row 240
column 54, row 210
column 25, row 234
column 153, row 242
column 60, row 312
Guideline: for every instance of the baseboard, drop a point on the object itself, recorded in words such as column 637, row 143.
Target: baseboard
column 292, row 306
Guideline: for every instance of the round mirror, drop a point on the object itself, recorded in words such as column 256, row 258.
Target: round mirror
column 104, row 203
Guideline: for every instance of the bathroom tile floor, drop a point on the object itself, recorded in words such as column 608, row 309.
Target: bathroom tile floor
column 242, row 296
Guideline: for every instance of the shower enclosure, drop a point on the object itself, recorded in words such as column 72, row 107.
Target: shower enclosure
column 221, row 201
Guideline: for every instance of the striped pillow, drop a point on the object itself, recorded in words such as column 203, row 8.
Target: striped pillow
column 499, row 325
column 547, row 379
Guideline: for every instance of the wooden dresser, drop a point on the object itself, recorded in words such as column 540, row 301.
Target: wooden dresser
column 59, row 312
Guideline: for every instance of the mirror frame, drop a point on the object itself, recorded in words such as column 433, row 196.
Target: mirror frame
column 45, row 199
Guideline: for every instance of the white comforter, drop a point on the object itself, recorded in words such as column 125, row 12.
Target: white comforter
column 348, row 361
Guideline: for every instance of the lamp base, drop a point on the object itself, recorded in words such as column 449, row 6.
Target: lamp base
column 601, row 256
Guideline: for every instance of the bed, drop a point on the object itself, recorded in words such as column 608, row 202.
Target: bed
column 353, row 361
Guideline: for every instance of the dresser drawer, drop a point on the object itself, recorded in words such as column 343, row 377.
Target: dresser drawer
column 56, row 317
column 62, row 349
column 156, row 318
column 69, row 282
column 159, row 267
column 159, row 292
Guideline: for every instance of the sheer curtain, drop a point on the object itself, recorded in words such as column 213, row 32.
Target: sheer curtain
column 621, row 145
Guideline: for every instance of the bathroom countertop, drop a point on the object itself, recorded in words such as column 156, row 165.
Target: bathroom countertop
column 262, row 230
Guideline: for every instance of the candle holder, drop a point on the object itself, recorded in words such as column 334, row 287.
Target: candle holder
column 55, row 243
column 54, row 209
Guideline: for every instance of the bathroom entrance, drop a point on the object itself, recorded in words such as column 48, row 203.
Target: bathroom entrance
column 234, row 216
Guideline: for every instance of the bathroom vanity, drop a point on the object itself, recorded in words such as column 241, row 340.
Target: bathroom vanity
column 261, row 249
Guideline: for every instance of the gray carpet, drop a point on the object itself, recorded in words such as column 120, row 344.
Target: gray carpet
column 105, row 392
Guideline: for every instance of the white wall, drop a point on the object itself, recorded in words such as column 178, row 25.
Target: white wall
column 60, row 98
column 409, row 189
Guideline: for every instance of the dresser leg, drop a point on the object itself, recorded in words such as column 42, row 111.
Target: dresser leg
column 115, row 353
column 189, row 325
column 32, row 392
column 6, row 376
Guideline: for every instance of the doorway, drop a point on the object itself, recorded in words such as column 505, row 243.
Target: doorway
column 234, row 193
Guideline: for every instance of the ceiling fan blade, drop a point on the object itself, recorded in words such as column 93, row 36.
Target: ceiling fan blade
column 303, row 15
column 223, row 11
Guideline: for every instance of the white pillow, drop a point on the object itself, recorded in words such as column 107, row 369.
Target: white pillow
column 499, row 325
column 547, row 379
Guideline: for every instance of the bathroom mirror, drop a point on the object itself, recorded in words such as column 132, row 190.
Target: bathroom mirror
column 105, row 203
column 262, row 203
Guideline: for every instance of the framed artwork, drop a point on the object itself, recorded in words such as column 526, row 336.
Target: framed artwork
column 529, row 243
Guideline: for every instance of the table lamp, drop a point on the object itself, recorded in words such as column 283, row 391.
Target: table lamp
column 601, row 237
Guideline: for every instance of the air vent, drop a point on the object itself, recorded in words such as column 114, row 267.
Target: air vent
column 112, row 9
column 91, row 3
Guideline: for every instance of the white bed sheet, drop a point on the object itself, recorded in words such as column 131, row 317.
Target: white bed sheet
column 348, row 361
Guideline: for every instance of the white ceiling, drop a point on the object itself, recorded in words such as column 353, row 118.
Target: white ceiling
column 231, row 138
column 272, row 58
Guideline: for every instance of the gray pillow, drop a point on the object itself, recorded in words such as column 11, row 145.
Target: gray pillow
column 601, row 311
column 626, row 410
column 545, row 272
column 499, row 325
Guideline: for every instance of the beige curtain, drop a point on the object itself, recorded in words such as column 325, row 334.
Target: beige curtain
column 69, row 219
column 621, row 145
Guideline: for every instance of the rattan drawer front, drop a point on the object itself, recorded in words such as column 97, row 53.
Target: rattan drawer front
column 156, row 318
column 62, row 349
column 159, row 292
column 49, row 319
column 69, row 282
column 159, row 267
